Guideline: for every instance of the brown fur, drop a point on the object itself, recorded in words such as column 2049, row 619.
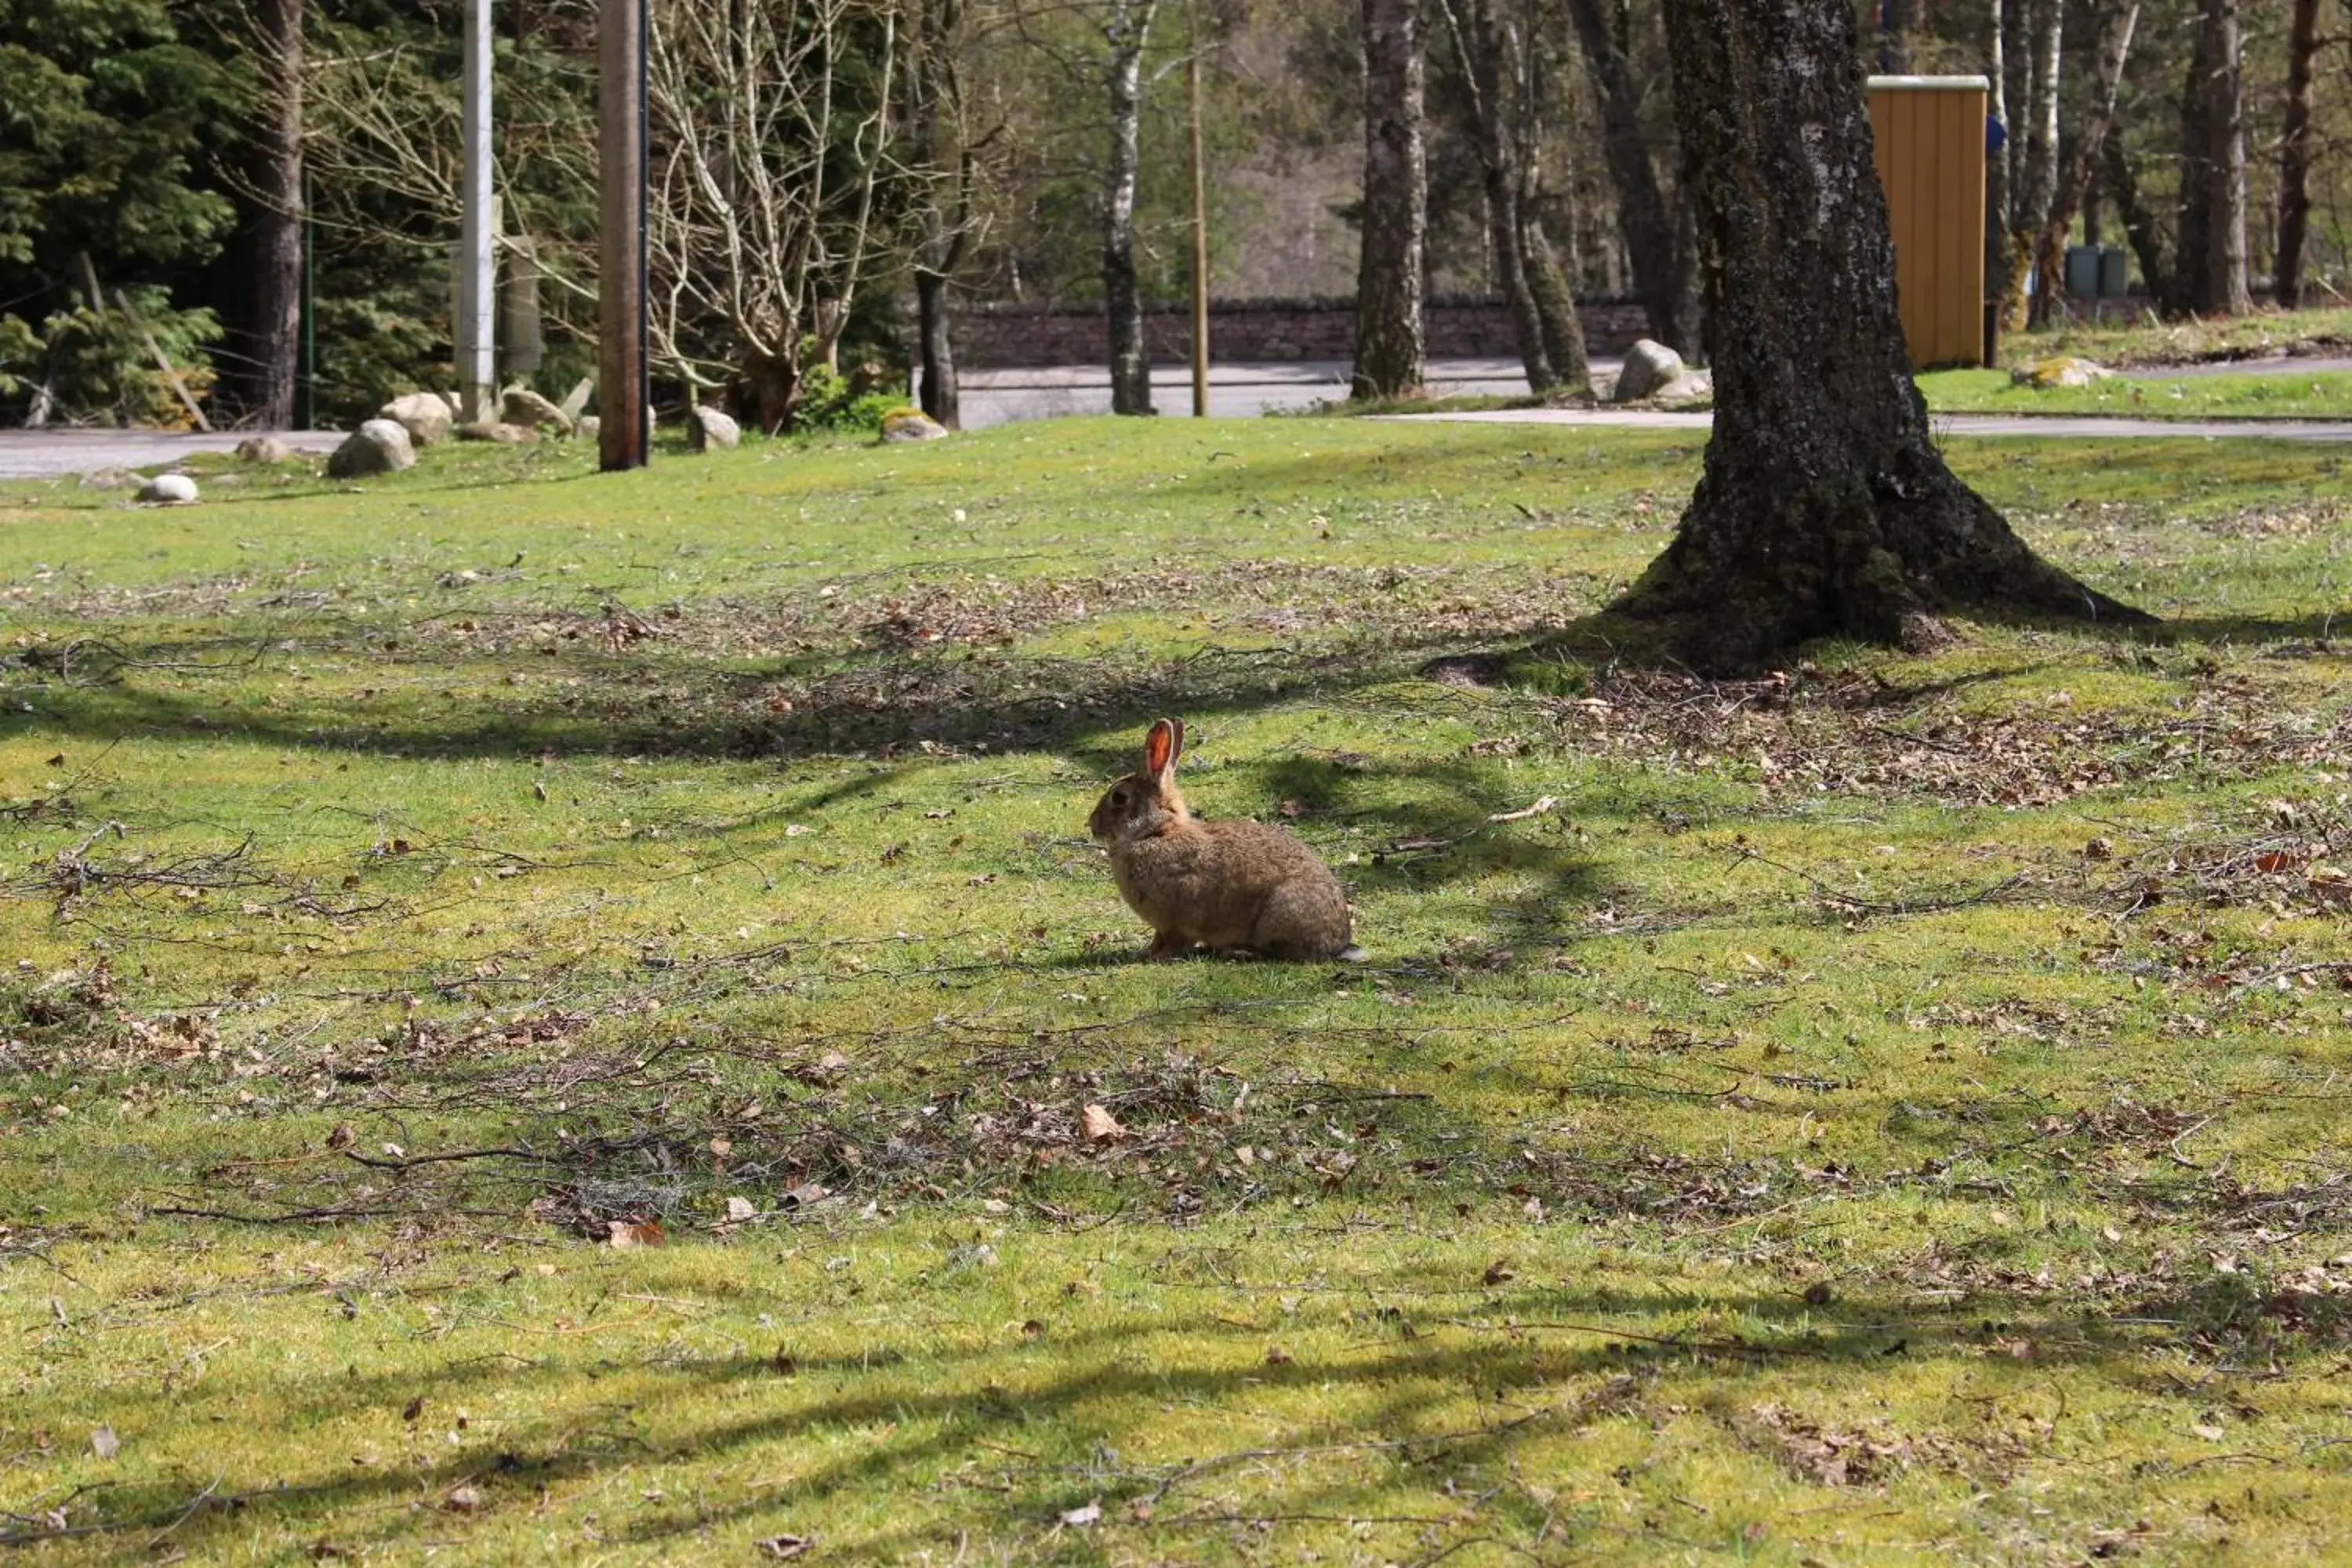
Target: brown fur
column 1234, row 886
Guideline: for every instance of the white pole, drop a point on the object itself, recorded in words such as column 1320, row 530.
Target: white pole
column 477, row 289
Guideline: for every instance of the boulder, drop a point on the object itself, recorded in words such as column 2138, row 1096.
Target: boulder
column 265, row 449
column 707, row 427
column 499, row 430
column 424, row 414
column 1691, row 386
column 577, row 399
column 589, row 428
column 911, row 425
column 377, row 446
column 1648, row 365
column 2058, row 370
column 521, row 406
column 168, row 490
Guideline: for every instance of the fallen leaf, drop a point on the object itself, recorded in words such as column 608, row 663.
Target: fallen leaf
column 1087, row 1515
column 624, row 1234
column 2210, row 1434
column 1276, row 1356
column 741, row 1208
column 342, row 1137
column 412, row 1409
column 1100, row 1125
column 1500, row 1270
column 784, row 1545
column 104, row 1443
column 463, row 1498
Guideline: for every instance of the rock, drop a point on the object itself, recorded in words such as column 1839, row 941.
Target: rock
column 872, row 375
column 1690, row 386
column 707, row 427
column 424, row 414
column 521, row 406
column 1648, row 367
column 264, row 449
column 109, row 480
column 589, row 428
column 581, row 390
column 499, row 430
column 911, row 425
column 377, row 446
column 169, row 490
column 2058, row 370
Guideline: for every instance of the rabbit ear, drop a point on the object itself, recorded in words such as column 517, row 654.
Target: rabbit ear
column 1160, row 748
column 1177, row 753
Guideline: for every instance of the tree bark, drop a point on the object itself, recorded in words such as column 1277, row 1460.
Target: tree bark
column 2151, row 242
column 2034, row 191
column 278, row 229
column 1130, row 30
column 1390, row 341
column 1824, row 508
column 1665, row 270
column 2225, row 289
column 1997, row 162
column 938, row 393
column 2116, row 24
column 1488, row 48
column 1555, row 300
column 2295, row 155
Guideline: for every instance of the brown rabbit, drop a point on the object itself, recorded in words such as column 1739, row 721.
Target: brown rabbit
column 1235, row 886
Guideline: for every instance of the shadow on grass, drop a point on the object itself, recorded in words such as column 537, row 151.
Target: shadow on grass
column 1040, row 1420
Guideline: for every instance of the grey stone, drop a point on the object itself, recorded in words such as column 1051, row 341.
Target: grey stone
column 377, row 446
column 589, row 428
column 2059, row 370
column 521, row 406
column 169, row 490
column 499, row 430
column 264, row 449
column 707, row 427
column 911, row 425
column 424, row 414
column 109, row 480
column 1648, row 365
column 577, row 399
column 1690, row 386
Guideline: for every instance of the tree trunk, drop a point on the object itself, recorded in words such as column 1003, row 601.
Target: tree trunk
column 2151, row 242
column 1487, row 49
column 1130, row 359
column 2225, row 289
column 1555, row 301
column 1999, row 161
column 2035, row 189
column 1390, row 343
column 1824, row 508
column 940, row 395
column 2295, row 155
column 2192, row 226
column 278, row 229
column 1666, row 272
column 2116, row 28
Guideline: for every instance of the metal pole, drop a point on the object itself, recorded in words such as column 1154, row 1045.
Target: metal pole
column 477, row 291
column 1200, row 228
column 622, row 377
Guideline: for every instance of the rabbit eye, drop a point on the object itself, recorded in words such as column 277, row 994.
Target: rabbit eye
column 1118, row 797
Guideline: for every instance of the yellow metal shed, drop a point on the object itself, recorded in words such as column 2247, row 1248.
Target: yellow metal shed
column 1929, row 132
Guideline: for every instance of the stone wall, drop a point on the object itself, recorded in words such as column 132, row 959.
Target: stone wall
column 1030, row 335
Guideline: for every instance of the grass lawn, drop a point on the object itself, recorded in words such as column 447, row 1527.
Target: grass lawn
column 2326, row 395
column 550, row 1018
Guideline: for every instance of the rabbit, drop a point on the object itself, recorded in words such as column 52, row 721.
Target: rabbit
column 1235, row 886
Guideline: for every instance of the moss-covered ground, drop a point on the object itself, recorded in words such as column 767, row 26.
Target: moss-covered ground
column 550, row 1018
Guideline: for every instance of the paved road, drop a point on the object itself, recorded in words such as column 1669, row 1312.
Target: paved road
column 35, row 454
column 998, row 396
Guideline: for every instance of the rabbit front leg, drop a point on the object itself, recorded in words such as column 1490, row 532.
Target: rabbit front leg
column 1168, row 944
